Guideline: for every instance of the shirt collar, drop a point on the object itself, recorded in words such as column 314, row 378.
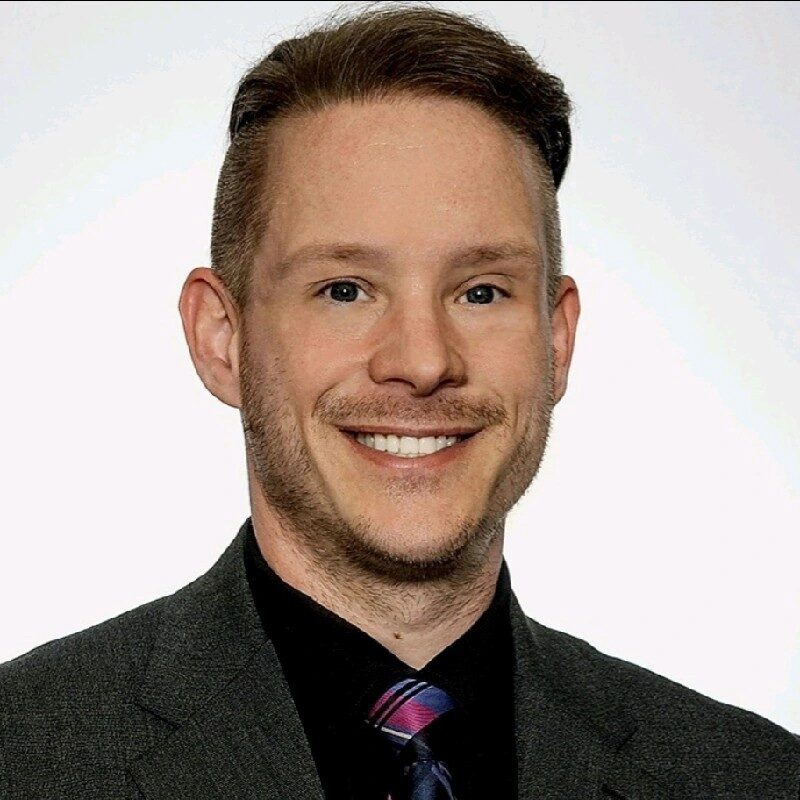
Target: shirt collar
column 318, row 649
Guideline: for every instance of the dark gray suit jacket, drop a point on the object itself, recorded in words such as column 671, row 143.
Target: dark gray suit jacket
column 184, row 699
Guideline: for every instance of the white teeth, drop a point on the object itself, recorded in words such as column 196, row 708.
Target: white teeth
column 409, row 446
column 427, row 445
column 406, row 446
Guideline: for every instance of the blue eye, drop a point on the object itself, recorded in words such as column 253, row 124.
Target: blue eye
column 483, row 294
column 342, row 291
column 347, row 292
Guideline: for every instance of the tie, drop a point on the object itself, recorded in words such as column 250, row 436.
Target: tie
column 404, row 715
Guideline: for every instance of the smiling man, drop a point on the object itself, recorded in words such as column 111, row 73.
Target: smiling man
column 386, row 309
column 395, row 361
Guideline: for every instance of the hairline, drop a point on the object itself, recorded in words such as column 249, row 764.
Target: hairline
column 260, row 214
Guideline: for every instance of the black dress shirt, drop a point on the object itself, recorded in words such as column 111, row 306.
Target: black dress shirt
column 336, row 672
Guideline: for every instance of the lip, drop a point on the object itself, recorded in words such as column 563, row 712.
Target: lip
column 418, row 433
column 422, row 463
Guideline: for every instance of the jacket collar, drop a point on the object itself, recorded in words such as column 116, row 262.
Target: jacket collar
column 234, row 730
column 572, row 734
column 215, row 678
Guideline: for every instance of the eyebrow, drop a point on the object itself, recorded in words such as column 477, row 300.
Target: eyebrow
column 466, row 257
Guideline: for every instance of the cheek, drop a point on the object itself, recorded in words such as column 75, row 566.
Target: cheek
column 513, row 366
column 315, row 359
column 513, row 351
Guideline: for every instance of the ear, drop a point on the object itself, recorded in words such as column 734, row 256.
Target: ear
column 563, row 323
column 211, row 326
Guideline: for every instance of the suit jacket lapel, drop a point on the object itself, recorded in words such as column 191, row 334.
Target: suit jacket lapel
column 217, row 681
column 571, row 743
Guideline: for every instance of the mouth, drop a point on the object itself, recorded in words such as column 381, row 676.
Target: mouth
column 406, row 446
column 403, row 450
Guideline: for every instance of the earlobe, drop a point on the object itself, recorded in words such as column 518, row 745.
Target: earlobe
column 564, row 323
column 211, row 326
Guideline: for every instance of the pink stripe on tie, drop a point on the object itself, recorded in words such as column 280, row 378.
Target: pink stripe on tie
column 411, row 717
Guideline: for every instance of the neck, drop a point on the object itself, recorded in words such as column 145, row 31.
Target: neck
column 414, row 620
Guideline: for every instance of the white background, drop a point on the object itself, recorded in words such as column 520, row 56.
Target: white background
column 663, row 527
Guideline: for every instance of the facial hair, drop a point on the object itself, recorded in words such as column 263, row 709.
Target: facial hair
column 291, row 485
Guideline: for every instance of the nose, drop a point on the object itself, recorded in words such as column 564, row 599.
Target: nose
column 418, row 345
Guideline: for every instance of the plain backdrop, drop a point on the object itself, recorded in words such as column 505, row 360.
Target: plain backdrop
column 663, row 526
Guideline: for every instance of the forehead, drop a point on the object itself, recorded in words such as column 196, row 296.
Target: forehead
column 407, row 173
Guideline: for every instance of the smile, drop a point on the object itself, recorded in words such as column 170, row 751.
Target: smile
column 398, row 451
column 406, row 446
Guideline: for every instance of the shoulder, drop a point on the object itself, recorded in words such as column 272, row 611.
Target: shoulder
column 66, row 713
column 76, row 711
column 680, row 735
column 95, row 664
column 92, row 663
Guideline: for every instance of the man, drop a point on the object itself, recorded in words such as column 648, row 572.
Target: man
column 386, row 308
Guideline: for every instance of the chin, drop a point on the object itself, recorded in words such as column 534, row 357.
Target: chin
column 434, row 554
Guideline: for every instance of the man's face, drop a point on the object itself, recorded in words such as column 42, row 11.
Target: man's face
column 407, row 329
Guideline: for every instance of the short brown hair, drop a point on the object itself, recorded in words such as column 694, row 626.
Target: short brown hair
column 383, row 50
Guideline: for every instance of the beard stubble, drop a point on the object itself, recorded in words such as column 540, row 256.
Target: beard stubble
column 291, row 485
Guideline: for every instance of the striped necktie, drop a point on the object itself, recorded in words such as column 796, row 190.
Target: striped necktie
column 404, row 715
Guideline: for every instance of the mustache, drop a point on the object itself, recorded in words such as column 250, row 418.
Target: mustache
column 341, row 411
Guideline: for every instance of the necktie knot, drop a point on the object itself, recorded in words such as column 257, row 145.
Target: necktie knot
column 405, row 715
column 406, row 709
